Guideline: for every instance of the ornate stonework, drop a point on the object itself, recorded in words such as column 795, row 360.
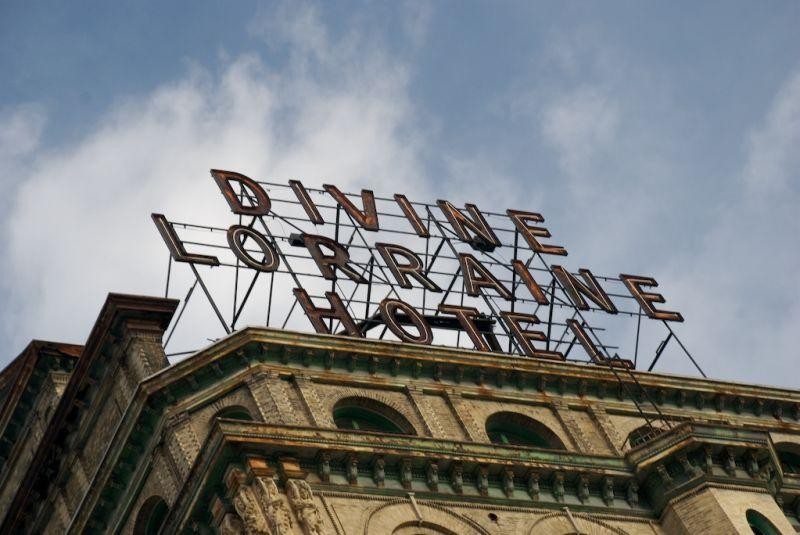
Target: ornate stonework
column 241, row 438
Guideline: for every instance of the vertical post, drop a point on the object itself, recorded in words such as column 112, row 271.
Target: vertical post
column 550, row 313
column 514, row 281
column 336, row 239
column 169, row 273
column 636, row 349
column 369, row 290
column 269, row 298
column 427, row 245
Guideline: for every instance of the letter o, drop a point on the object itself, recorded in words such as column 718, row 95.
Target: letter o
column 236, row 236
column 389, row 307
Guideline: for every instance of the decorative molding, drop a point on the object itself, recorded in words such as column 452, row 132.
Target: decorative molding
column 302, row 500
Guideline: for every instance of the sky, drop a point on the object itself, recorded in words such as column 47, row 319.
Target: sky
column 658, row 138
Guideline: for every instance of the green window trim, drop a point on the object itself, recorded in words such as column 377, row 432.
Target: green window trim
column 363, row 419
column 759, row 523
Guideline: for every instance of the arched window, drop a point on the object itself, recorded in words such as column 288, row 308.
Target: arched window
column 364, row 414
column 151, row 516
column 235, row 412
column 759, row 523
column 789, row 457
column 515, row 429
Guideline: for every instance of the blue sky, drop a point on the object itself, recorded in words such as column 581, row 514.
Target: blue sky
column 657, row 138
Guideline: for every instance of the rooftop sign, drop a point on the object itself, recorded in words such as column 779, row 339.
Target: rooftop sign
column 421, row 273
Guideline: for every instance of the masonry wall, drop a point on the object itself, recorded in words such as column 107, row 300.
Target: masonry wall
column 594, row 422
column 585, row 425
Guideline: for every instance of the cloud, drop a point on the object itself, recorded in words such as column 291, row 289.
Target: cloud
column 737, row 289
column 580, row 126
column 773, row 152
column 635, row 191
column 20, row 131
column 78, row 226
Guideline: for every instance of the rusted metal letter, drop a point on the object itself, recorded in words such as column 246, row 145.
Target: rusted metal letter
column 646, row 299
column 368, row 217
column 260, row 203
column 526, row 337
column 339, row 257
column 591, row 349
column 237, row 234
column 411, row 215
column 531, row 233
column 175, row 245
column 465, row 316
column 389, row 307
column 413, row 266
column 588, row 287
column 477, row 276
column 485, row 239
column 305, row 201
column 337, row 311
column 530, row 283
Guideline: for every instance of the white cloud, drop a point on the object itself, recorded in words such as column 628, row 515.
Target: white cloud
column 774, row 155
column 20, row 130
column 79, row 224
column 581, row 125
column 738, row 290
column 721, row 248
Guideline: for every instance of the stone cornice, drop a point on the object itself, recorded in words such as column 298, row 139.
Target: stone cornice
column 489, row 474
column 320, row 344
column 454, row 366
column 346, row 461
column 383, row 361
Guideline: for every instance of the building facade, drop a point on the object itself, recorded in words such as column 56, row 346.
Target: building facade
column 276, row 432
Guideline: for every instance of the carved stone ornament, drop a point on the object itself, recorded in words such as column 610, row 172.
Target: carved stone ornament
column 666, row 479
column 482, row 480
column 432, row 476
column 457, row 478
column 730, row 462
column 709, row 460
column 352, row 469
column 533, row 485
column 583, row 488
column 632, row 494
column 231, row 525
column 305, row 508
column 558, row 486
column 405, row 473
column 687, row 466
column 508, row 482
column 253, row 518
column 278, row 516
column 608, row 490
column 324, row 467
column 751, row 462
column 379, row 471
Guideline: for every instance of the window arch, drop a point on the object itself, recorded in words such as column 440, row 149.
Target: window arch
column 759, row 523
column 789, row 457
column 514, row 429
column 419, row 527
column 364, row 414
column 235, row 412
column 151, row 516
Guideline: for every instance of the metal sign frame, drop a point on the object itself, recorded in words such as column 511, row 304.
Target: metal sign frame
column 441, row 269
